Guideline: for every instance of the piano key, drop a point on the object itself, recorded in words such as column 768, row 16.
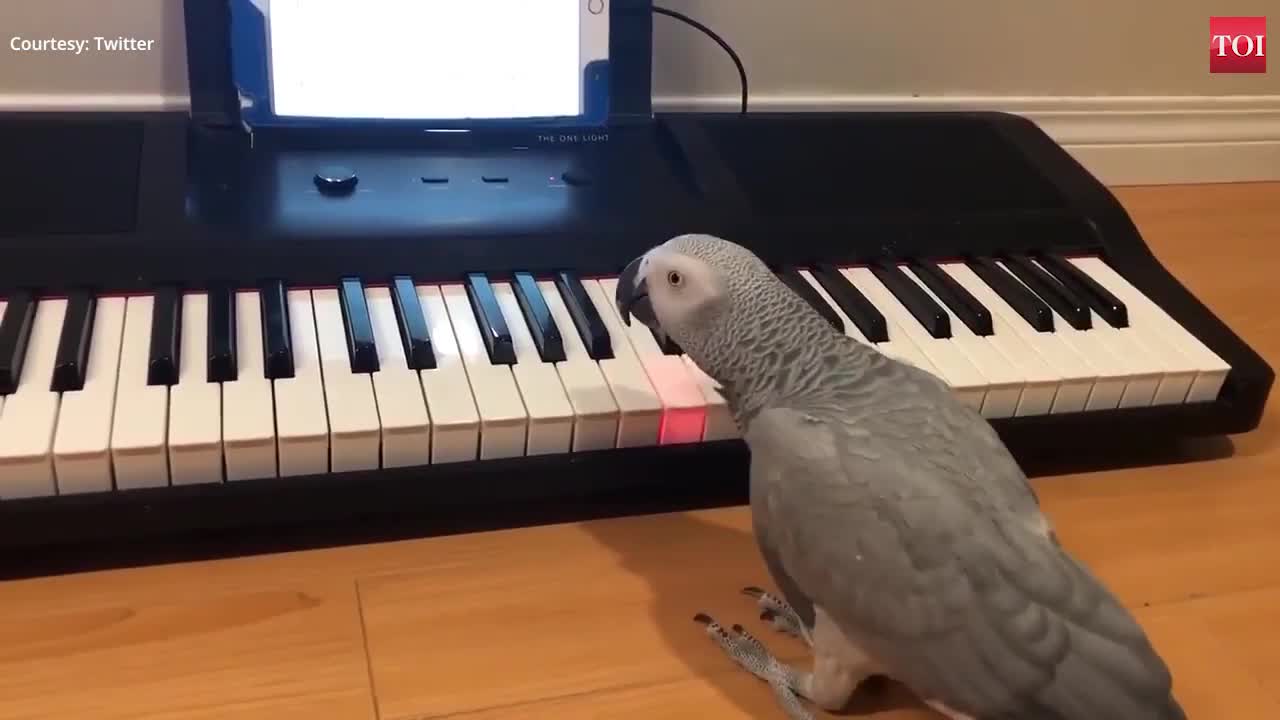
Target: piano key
column 1029, row 307
column 666, row 344
column 415, row 335
column 140, row 423
column 684, row 408
column 895, row 345
column 586, row 319
column 1103, row 302
column 361, row 348
column 1029, row 347
column 82, row 442
column 402, row 409
column 1005, row 385
column 551, row 419
column 640, row 407
column 276, row 337
column 248, row 407
column 950, row 364
column 800, row 286
column 31, row 412
column 354, row 432
column 542, row 327
column 302, row 422
column 1061, row 300
column 961, row 305
column 504, row 422
column 455, row 421
column 851, row 303
column 74, row 342
column 1158, row 330
column 608, row 397
column 166, row 332
column 15, row 335
column 222, row 363
column 720, row 424
column 489, row 321
column 908, row 295
column 195, row 404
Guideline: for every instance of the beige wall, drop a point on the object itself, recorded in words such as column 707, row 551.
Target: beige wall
column 791, row 47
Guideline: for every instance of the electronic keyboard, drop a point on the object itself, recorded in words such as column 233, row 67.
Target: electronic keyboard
column 208, row 335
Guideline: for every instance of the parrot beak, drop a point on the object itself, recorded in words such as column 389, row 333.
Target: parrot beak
column 633, row 295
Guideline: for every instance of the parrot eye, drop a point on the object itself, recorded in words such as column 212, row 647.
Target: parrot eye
column 674, row 278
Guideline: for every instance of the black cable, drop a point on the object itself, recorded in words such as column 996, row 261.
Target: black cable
column 742, row 71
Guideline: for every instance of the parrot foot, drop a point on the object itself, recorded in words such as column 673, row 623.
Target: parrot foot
column 777, row 612
column 743, row 648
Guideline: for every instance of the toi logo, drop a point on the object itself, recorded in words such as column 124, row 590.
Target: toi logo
column 1237, row 44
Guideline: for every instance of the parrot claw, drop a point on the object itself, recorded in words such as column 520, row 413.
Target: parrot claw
column 746, row 650
column 778, row 613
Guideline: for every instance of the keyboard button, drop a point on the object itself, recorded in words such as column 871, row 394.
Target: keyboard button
column 195, row 404
column 82, row 443
column 355, row 436
column 222, row 365
column 608, row 399
column 455, row 420
column 489, row 321
column 302, row 424
column 928, row 313
column 851, row 303
column 1063, row 301
column 15, row 334
column 791, row 278
column 139, row 426
column 542, row 327
column 402, row 409
column 361, row 348
column 551, row 418
column 248, row 408
column 586, row 319
column 278, row 345
column 166, row 334
column 31, row 412
column 74, row 342
column 1030, row 308
column 638, row 403
column 415, row 335
column 898, row 346
column 1103, row 302
column 960, row 304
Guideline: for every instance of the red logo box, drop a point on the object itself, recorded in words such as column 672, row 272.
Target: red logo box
column 1237, row 44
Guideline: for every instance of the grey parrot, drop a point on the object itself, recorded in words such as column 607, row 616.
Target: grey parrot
column 904, row 539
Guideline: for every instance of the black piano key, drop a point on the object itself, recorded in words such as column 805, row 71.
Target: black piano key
column 954, row 295
column 794, row 280
column 595, row 336
column 917, row 302
column 546, row 336
column 361, row 348
column 1023, row 301
column 15, row 331
column 277, row 342
column 852, row 302
column 414, row 333
column 1103, row 302
column 222, row 365
column 493, row 326
column 1063, row 301
column 166, row 337
column 72, row 358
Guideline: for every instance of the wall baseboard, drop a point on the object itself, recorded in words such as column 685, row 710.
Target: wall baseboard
column 1123, row 140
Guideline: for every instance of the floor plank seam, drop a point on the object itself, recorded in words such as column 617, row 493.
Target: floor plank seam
column 368, row 656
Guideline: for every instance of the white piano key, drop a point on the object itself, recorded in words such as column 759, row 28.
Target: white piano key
column 720, row 423
column 195, row 404
column 31, row 412
column 302, row 421
column 551, row 418
column 640, row 408
column 140, row 424
column 1160, row 332
column 504, row 422
column 949, row 363
column 355, row 432
column 684, row 407
column 608, row 398
column 898, row 346
column 402, row 409
column 1005, row 385
column 248, row 409
column 82, row 445
column 455, row 421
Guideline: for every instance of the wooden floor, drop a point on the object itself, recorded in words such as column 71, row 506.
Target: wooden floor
column 594, row 620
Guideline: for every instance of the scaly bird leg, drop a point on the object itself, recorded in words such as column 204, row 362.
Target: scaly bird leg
column 780, row 614
column 751, row 654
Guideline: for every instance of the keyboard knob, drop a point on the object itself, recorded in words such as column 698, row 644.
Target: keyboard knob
column 336, row 180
